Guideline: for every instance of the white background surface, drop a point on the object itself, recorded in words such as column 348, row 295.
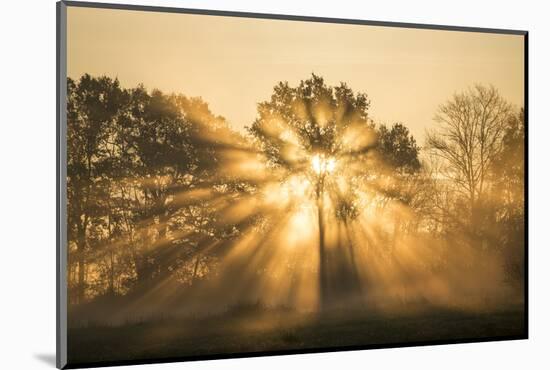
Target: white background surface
column 27, row 183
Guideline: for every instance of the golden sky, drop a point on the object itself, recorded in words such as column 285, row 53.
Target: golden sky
column 233, row 63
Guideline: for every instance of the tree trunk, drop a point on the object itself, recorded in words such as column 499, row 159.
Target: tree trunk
column 196, row 268
column 112, row 273
column 323, row 282
column 81, row 279
column 81, row 262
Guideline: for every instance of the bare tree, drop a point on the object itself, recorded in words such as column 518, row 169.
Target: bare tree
column 469, row 138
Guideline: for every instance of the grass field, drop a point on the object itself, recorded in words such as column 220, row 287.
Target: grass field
column 247, row 331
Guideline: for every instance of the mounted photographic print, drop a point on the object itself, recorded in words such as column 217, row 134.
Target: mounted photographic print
column 235, row 184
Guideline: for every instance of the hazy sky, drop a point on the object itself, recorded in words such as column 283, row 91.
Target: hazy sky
column 233, row 63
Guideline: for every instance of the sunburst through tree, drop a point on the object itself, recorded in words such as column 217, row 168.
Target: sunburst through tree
column 322, row 137
column 315, row 212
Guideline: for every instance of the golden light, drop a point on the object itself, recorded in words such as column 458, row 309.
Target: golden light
column 322, row 165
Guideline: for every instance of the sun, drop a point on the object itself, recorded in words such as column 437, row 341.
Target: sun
column 322, row 164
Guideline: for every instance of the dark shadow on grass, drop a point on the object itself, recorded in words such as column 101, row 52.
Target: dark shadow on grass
column 47, row 358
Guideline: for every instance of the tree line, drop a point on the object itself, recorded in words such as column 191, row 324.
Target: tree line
column 151, row 176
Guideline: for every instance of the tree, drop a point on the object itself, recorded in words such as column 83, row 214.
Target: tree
column 398, row 148
column 508, row 170
column 324, row 133
column 471, row 126
column 508, row 176
column 92, row 106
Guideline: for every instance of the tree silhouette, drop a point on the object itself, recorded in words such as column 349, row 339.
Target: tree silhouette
column 93, row 106
column 469, row 137
column 325, row 133
column 507, row 175
column 398, row 148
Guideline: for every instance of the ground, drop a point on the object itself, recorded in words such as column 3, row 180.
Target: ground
column 247, row 331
